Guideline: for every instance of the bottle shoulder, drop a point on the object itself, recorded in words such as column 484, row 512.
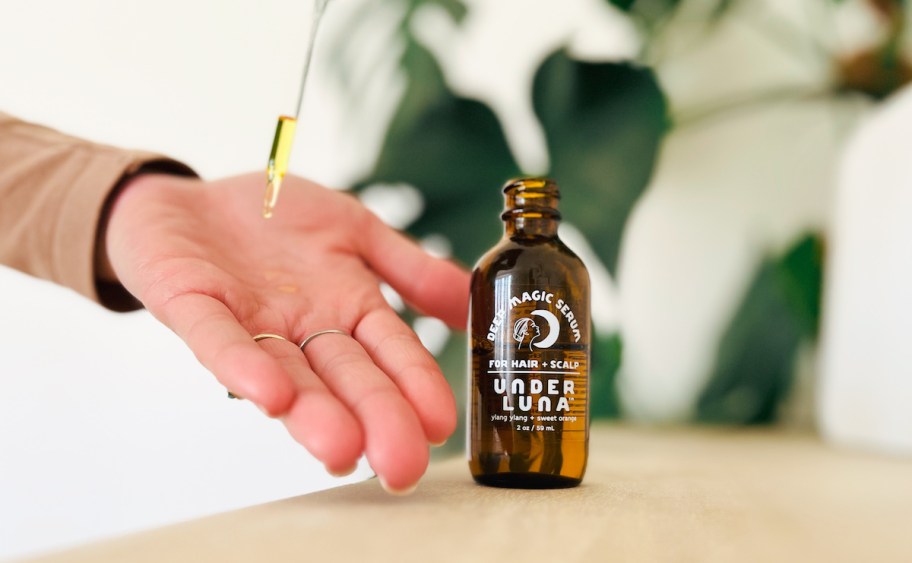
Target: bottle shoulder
column 550, row 258
column 552, row 248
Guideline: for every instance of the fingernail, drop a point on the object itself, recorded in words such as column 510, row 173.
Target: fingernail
column 344, row 473
column 438, row 444
column 398, row 492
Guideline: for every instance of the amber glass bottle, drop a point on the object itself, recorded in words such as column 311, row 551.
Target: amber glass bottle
column 529, row 336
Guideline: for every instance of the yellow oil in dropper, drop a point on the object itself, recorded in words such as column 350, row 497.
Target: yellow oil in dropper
column 278, row 162
column 277, row 166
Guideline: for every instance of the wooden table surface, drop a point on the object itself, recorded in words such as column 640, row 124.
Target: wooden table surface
column 649, row 495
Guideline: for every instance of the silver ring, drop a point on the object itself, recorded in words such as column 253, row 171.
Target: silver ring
column 257, row 338
column 320, row 333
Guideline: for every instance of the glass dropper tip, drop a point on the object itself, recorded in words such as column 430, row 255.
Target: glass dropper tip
column 273, row 185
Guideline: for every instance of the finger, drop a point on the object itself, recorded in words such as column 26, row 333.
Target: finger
column 394, row 440
column 226, row 349
column 395, row 348
column 434, row 286
column 317, row 419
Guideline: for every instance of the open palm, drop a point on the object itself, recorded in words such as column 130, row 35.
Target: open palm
column 205, row 263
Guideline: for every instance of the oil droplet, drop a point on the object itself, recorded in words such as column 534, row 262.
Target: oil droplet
column 288, row 288
column 270, row 275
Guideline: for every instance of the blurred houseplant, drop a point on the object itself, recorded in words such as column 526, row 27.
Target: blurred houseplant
column 715, row 248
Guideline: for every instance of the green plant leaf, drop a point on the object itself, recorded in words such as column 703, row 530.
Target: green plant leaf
column 604, row 401
column 647, row 11
column 651, row 13
column 622, row 4
column 456, row 8
column 801, row 278
column 756, row 356
column 454, row 151
column 603, row 123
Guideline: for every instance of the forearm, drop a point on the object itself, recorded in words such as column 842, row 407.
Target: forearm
column 54, row 193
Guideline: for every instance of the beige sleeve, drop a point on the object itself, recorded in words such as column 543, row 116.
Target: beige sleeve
column 53, row 192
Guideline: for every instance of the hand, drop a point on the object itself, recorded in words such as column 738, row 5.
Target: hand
column 203, row 261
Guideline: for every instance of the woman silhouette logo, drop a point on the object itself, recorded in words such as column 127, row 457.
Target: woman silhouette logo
column 526, row 330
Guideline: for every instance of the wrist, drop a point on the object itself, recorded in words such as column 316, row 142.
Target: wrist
column 104, row 270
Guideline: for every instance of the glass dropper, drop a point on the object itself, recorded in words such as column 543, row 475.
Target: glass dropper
column 286, row 126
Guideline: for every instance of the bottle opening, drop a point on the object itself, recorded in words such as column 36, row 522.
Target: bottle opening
column 531, row 198
column 534, row 186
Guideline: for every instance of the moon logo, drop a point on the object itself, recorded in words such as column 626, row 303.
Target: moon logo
column 553, row 328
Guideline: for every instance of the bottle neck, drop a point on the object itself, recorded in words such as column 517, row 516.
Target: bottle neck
column 530, row 226
column 530, row 209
